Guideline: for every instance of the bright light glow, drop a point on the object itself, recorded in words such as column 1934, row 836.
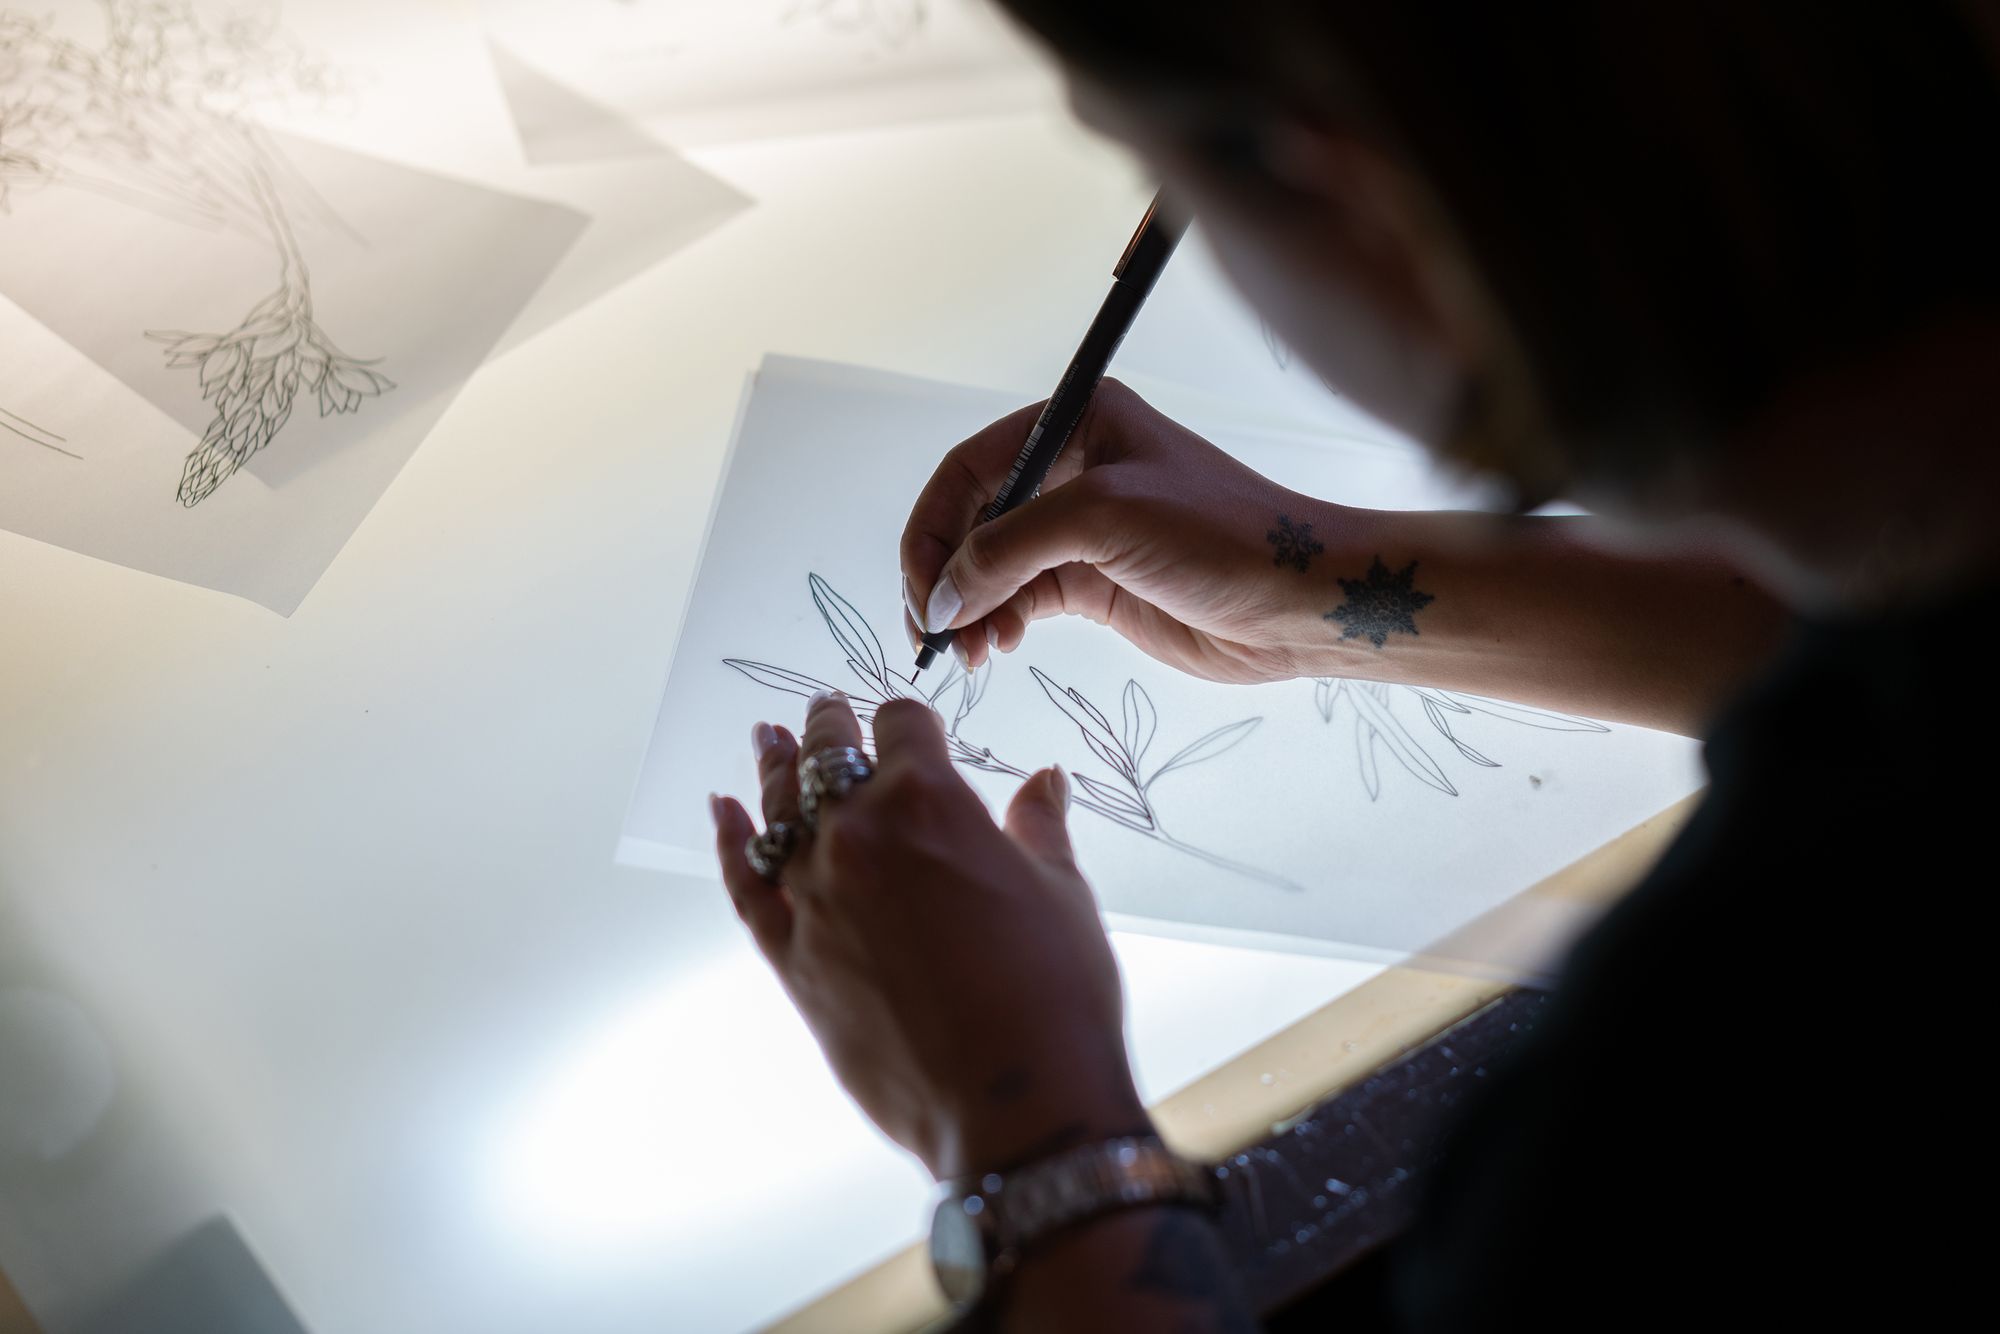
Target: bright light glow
column 681, row 1121
column 702, row 1124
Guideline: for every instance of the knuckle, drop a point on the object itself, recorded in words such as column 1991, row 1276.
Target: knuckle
column 850, row 844
column 899, row 785
column 903, row 712
column 918, row 794
column 1102, row 487
column 1120, row 400
column 978, row 556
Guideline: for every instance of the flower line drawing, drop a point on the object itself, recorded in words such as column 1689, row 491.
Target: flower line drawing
column 156, row 117
column 1125, row 798
column 1375, row 725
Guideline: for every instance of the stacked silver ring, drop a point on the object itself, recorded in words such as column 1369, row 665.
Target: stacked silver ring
column 768, row 852
column 830, row 774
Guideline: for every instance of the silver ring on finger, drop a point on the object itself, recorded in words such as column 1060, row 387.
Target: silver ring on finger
column 768, row 852
column 830, row 774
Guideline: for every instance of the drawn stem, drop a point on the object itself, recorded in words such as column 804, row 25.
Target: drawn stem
column 292, row 262
column 1227, row 863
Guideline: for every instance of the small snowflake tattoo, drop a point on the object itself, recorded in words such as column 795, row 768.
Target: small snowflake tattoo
column 1294, row 542
column 1380, row 605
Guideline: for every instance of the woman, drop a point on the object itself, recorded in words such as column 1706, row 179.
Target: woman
column 1722, row 272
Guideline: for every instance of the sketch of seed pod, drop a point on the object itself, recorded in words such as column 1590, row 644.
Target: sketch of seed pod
column 156, row 114
column 252, row 376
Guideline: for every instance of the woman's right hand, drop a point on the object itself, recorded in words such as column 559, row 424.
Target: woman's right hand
column 1142, row 526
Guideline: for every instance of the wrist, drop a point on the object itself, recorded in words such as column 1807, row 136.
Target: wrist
column 1311, row 547
column 1006, row 1138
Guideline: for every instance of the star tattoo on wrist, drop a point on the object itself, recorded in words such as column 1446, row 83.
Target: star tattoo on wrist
column 1382, row 604
column 1294, row 543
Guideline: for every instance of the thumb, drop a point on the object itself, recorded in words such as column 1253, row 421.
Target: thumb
column 1038, row 817
column 998, row 559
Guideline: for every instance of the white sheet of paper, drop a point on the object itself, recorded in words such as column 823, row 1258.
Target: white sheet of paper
column 704, row 71
column 1276, row 814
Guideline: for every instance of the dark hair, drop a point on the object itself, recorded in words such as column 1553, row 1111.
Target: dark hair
column 1679, row 206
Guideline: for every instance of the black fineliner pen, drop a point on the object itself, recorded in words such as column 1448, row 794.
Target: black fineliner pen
column 1132, row 282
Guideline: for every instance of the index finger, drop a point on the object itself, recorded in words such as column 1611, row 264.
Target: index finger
column 963, row 485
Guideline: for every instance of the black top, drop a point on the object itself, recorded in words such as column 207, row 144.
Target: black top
column 1754, row 1093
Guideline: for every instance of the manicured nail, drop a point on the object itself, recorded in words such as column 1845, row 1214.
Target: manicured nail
column 945, row 604
column 762, row 738
column 958, row 650
column 715, row 808
column 1062, row 787
column 820, row 697
column 993, row 636
column 910, row 601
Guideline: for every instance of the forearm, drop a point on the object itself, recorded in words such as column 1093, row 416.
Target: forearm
column 1136, row 1269
column 1538, row 610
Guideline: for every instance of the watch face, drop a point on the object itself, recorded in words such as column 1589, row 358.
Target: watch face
column 958, row 1249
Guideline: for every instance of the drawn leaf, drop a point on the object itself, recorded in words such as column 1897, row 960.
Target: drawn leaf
column 1401, row 744
column 1112, row 797
column 1439, row 698
column 1326, row 694
column 951, row 678
column 1095, row 727
column 1546, row 719
column 1206, row 748
column 1141, row 721
column 972, row 687
column 875, row 687
column 849, row 628
column 1116, row 816
column 778, row 678
column 1110, row 755
column 1096, row 716
column 1364, row 747
column 1431, row 710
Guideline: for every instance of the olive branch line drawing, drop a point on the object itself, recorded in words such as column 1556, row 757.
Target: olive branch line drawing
column 35, row 435
column 1125, row 799
column 156, row 118
column 1376, row 726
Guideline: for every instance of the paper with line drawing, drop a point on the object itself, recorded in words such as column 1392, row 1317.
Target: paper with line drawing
column 297, row 312
column 701, row 71
column 1342, row 815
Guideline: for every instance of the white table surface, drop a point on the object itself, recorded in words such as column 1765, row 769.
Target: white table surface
column 326, row 904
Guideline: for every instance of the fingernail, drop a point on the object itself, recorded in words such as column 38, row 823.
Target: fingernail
column 762, row 738
column 945, row 603
column 1062, row 787
column 715, row 808
column 910, row 601
column 958, row 650
column 993, row 636
column 822, row 696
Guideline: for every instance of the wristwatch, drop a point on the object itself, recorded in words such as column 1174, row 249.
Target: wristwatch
column 980, row 1227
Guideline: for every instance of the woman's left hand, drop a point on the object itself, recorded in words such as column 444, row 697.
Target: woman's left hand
column 954, row 971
